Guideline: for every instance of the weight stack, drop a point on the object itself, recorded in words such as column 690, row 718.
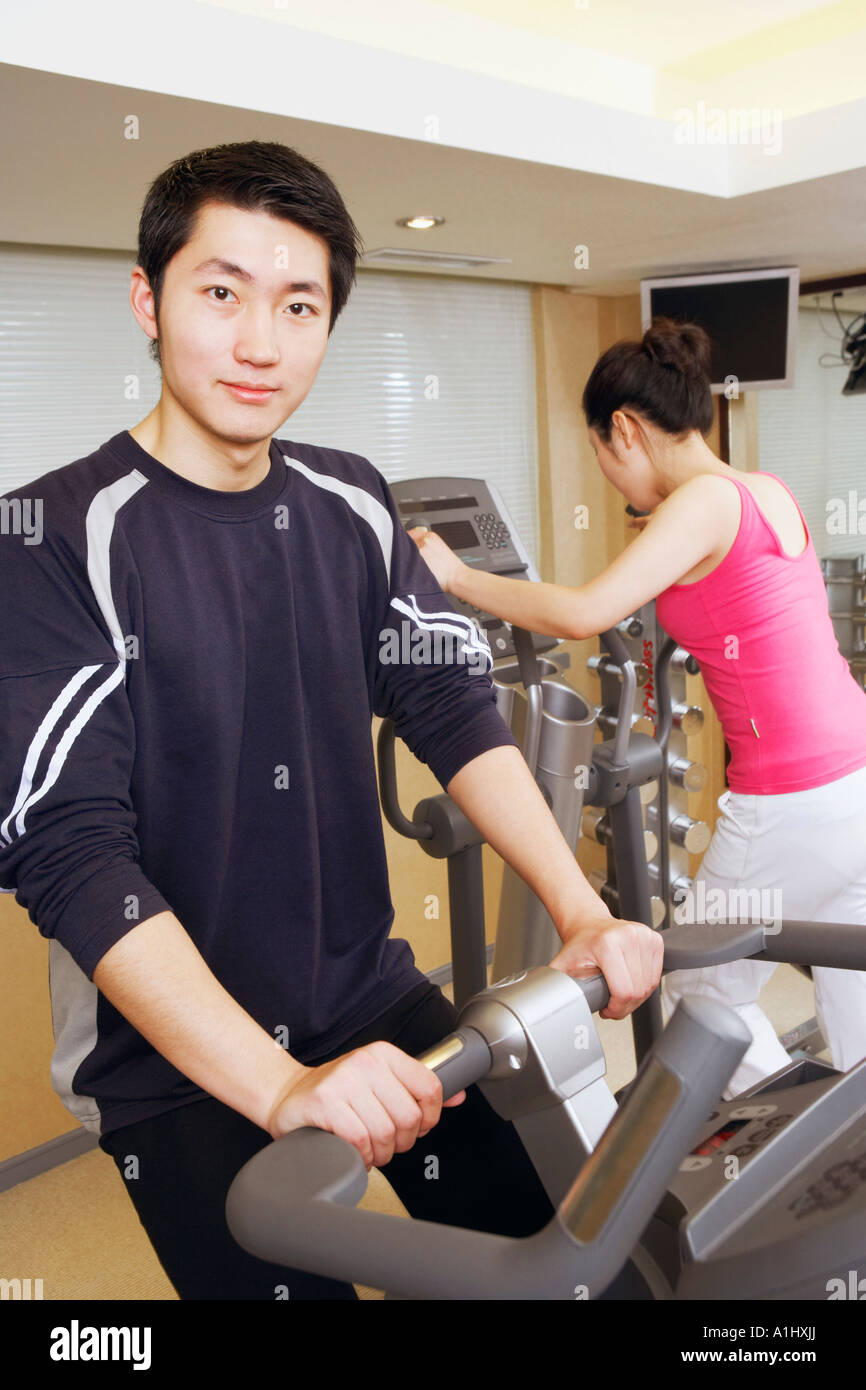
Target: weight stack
column 845, row 582
column 672, row 830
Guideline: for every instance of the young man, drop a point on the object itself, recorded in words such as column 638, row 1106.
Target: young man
column 188, row 801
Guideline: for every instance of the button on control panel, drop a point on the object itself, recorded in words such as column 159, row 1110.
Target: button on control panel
column 472, row 520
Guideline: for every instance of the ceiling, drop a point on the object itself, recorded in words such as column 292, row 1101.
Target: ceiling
column 547, row 172
column 803, row 54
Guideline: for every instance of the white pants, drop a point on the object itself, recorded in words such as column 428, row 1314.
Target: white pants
column 811, row 846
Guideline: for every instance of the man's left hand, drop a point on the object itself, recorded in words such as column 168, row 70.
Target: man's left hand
column 628, row 954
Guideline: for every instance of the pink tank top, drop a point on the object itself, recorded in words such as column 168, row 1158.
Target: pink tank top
column 759, row 626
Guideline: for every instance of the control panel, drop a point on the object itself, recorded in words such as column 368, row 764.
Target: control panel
column 471, row 517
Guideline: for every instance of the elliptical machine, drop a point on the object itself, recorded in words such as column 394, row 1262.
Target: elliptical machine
column 761, row 1197
column 554, row 726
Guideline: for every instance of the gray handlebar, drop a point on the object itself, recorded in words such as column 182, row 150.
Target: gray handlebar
column 458, row 1060
column 612, row 640
column 837, row 944
column 531, row 677
column 292, row 1202
column 689, row 946
column 387, row 763
column 664, row 708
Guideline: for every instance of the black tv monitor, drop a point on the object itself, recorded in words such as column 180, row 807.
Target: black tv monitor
column 750, row 315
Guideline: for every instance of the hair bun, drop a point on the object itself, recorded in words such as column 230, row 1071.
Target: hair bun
column 685, row 347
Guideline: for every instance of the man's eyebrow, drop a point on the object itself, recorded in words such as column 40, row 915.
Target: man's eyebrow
column 216, row 263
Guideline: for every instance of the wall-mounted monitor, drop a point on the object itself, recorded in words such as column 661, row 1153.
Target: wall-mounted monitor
column 750, row 315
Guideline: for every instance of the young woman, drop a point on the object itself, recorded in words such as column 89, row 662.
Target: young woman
column 728, row 558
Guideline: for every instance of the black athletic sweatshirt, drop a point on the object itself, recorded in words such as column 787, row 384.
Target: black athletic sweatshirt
column 187, row 679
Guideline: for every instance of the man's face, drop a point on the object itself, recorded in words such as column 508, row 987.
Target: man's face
column 245, row 303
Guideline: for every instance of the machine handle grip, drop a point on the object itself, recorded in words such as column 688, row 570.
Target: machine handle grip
column 622, row 1182
column 841, row 945
column 458, row 1060
column 292, row 1202
column 664, row 708
column 387, row 763
column 613, row 643
column 531, row 677
column 690, row 946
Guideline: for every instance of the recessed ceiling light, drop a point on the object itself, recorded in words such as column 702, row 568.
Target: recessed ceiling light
column 420, row 222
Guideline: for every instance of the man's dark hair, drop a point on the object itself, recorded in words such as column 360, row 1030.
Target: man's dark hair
column 257, row 176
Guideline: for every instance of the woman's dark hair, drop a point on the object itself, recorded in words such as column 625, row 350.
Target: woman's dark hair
column 257, row 176
column 665, row 378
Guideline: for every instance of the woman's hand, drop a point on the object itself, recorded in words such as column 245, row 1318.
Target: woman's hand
column 439, row 557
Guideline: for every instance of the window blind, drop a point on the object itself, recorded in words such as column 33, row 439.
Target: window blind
column 424, row 374
column 814, row 438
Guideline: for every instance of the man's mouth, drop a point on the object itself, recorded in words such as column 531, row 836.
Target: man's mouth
column 246, row 391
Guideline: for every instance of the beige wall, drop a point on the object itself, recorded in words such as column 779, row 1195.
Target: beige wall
column 32, row 1114
column 571, row 331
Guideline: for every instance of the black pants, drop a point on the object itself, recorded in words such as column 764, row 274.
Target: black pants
column 188, row 1157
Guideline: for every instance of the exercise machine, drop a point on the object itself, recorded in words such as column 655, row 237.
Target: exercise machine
column 555, row 726
column 471, row 517
column 761, row 1197
column 598, row 789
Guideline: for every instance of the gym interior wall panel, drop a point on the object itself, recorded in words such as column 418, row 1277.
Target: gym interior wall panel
column 572, row 330
column 814, row 438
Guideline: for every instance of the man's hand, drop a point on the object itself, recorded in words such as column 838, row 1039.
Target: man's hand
column 377, row 1098
column 628, row 954
column 438, row 556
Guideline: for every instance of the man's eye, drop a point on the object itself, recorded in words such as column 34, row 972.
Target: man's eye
column 299, row 305
column 220, row 289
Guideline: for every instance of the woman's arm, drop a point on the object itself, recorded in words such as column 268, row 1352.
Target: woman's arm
column 698, row 519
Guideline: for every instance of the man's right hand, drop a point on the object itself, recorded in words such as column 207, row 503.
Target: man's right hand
column 377, row 1098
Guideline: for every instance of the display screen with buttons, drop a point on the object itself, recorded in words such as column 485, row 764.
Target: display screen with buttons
column 471, row 518
column 458, row 534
